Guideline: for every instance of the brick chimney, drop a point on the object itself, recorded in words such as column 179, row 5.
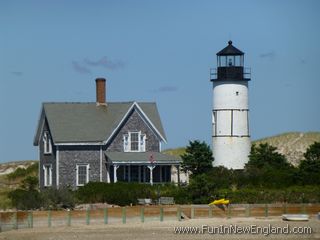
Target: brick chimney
column 101, row 91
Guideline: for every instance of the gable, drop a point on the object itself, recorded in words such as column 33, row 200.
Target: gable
column 134, row 122
column 147, row 111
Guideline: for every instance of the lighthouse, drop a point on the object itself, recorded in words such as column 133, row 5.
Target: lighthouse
column 230, row 112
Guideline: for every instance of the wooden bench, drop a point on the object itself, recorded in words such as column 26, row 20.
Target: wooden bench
column 144, row 201
column 166, row 200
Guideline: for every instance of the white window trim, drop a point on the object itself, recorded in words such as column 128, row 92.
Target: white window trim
column 141, row 142
column 45, row 174
column 77, row 175
column 46, row 137
column 126, row 141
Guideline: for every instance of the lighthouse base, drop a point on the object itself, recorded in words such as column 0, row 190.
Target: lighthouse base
column 231, row 152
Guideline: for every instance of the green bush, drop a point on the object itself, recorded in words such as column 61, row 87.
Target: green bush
column 114, row 193
column 25, row 199
column 123, row 194
column 57, row 198
column 294, row 194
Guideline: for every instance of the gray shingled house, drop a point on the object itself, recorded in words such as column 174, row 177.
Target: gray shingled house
column 102, row 141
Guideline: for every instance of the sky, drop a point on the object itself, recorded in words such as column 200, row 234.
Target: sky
column 158, row 51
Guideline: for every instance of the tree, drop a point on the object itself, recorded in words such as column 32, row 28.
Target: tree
column 27, row 196
column 30, row 183
column 313, row 152
column 309, row 168
column 200, row 189
column 268, row 168
column 265, row 155
column 198, row 158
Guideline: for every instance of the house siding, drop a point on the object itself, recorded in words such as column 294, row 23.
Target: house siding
column 70, row 156
column 135, row 123
column 46, row 159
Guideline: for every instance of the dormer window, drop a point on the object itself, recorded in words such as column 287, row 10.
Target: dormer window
column 134, row 142
column 47, row 143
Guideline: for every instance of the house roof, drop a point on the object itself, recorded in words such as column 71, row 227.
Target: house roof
column 142, row 157
column 89, row 123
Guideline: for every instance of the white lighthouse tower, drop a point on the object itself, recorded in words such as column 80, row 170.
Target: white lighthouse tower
column 230, row 119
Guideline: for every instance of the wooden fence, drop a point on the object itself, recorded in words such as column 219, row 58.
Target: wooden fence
column 122, row 215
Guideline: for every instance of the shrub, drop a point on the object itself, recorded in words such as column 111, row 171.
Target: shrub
column 200, row 189
column 294, row 194
column 122, row 194
column 57, row 198
column 114, row 193
column 25, row 199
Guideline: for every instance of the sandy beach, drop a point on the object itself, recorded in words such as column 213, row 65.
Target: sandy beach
column 166, row 230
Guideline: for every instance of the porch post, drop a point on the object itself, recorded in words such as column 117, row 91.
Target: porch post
column 115, row 168
column 151, row 174
column 178, row 171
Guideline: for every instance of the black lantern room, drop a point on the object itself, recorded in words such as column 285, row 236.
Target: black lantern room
column 230, row 62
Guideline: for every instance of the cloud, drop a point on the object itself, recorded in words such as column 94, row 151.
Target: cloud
column 104, row 62
column 80, row 68
column 268, row 55
column 17, row 73
column 302, row 61
column 164, row 89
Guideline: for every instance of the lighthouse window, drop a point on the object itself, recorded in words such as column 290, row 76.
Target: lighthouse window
column 231, row 60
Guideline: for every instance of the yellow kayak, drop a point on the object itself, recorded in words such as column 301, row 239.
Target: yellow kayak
column 221, row 201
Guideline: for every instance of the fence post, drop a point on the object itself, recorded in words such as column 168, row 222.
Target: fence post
column 69, row 218
column 179, row 213
column 0, row 222
column 210, row 211
column 229, row 211
column 105, row 215
column 49, row 218
column 285, row 210
column 15, row 220
column 248, row 210
column 124, row 215
column 88, row 216
column 303, row 208
column 192, row 212
column 30, row 219
column 142, row 214
column 161, row 214
column 266, row 210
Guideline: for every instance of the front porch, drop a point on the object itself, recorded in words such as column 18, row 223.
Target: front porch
column 142, row 167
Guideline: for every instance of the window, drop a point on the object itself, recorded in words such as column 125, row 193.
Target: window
column 47, row 143
column 82, row 174
column 47, row 173
column 134, row 142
